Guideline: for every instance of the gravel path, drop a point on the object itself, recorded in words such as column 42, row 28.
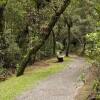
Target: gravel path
column 62, row 86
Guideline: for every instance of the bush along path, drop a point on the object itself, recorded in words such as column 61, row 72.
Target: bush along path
column 61, row 86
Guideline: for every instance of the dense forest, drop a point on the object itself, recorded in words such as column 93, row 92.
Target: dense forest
column 35, row 30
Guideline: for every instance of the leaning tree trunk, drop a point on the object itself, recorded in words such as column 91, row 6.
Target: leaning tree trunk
column 40, row 43
column 68, row 42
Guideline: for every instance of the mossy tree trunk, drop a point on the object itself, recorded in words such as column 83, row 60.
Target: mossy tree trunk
column 3, row 44
column 54, row 43
column 1, row 20
column 41, row 42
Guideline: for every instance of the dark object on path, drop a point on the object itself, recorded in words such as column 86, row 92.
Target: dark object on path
column 60, row 56
column 92, row 96
column 60, row 59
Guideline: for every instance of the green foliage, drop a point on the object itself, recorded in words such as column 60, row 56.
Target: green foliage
column 96, row 85
column 2, row 2
column 21, row 13
column 59, row 46
column 93, row 49
column 2, row 70
column 82, row 77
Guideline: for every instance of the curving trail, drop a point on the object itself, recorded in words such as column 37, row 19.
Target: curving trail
column 61, row 86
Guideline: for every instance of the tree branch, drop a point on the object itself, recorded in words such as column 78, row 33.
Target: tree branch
column 40, row 43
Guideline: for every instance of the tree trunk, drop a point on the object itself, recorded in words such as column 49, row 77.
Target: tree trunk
column 3, row 44
column 32, row 59
column 64, row 43
column 41, row 42
column 54, row 43
column 69, row 23
column 2, row 9
column 1, row 36
column 68, row 42
column 84, row 46
column 1, row 20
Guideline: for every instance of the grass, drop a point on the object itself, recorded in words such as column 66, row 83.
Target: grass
column 14, row 86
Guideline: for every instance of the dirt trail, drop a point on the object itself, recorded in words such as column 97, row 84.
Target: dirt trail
column 61, row 86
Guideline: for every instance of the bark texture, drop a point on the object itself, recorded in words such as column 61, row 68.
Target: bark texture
column 54, row 43
column 68, row 42
column 41, row 42
column 3, row 44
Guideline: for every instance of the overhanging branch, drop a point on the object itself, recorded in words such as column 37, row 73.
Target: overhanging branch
column 50, row 26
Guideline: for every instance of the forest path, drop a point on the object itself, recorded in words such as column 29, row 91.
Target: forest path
column 61, row 86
